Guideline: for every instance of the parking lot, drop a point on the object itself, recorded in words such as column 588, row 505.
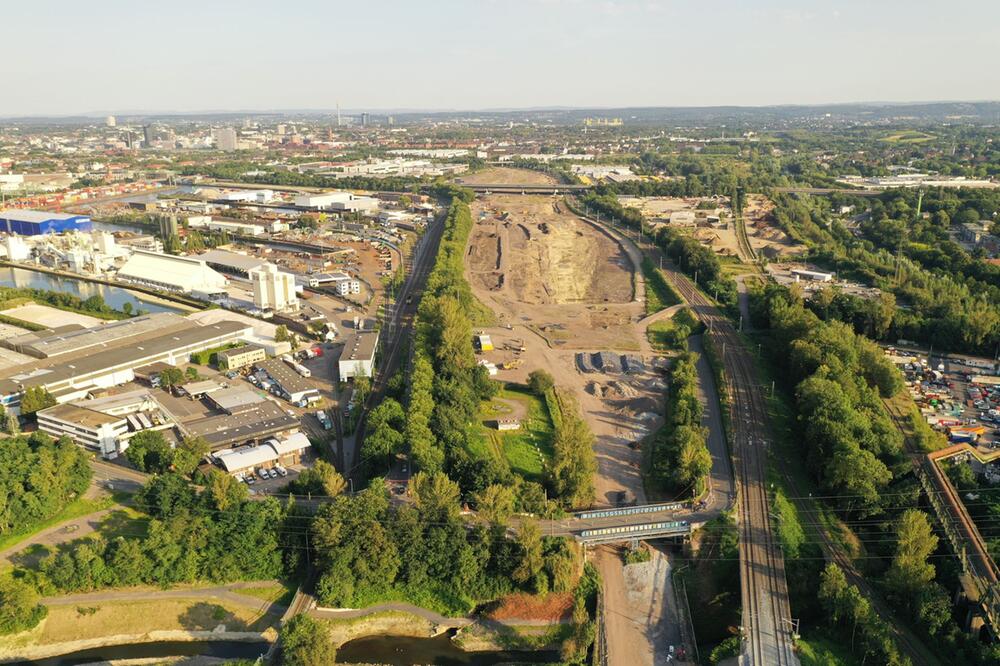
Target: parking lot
column 965, row 411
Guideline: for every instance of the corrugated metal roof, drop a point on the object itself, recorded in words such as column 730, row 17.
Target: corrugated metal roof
column 247, row 457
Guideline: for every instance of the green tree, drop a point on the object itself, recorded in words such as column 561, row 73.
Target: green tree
column 321, row 479
column 530, row 568
column 540, row 381
column 496, row 503
column 189, row 454
column 306, row 642
column 171, row 377
column 437, row 496
column 224, row 490
column 281, row 334
column 149, row 451
column 911, row 572
column 20, row 609
column 36, row 398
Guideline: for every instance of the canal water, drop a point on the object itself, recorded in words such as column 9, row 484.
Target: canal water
column 222, row 649
column 116, row 297
column 439, row 650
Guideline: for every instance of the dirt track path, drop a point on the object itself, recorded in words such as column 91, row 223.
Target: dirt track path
column 58, row 534
column 225, row 592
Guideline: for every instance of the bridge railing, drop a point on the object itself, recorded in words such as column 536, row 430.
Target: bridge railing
column 626, row 532
column 629, row 510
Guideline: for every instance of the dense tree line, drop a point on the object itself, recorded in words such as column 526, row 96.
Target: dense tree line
column 933, row 293
column 92, row 305
column 38, row 478
column 868, row 634
column 570, row 473
column 700, row 263
column 215, row 534
column 150, row 452
column 838, row 378
column 447, row 386
column 368, row 549
column 680, row 457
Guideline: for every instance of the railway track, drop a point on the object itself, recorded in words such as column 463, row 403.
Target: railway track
column 747, row 254
column 767, row 623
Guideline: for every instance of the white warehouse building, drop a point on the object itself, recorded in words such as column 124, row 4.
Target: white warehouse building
column 164, row 271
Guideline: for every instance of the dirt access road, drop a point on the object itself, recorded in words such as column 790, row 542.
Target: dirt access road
column 559, row 286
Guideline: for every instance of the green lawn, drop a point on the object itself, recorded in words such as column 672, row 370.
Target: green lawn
column 516, row 447
column 277, row 593
column 672, row 334
column 433, row 596
column 659, row 293
column 75, row 509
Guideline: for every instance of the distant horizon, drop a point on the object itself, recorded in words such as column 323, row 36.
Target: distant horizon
column 100, row 114
column 486, row 55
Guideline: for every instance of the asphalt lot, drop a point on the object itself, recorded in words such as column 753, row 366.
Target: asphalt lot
column 948, row 395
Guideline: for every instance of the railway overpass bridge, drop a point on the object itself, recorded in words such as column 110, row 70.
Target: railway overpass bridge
column 508, row 188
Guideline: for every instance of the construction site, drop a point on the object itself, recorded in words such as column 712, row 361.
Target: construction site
column 535, row 263
column 569, row 300
column 710, row 220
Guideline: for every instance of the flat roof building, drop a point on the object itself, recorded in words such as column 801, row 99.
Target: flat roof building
column 88, row 427
column 241, row 357
column 72, row 375
column 292, row 385
column 358, row 360
column 36, row 222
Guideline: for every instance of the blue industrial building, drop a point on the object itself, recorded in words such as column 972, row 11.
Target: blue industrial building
column 35, row 222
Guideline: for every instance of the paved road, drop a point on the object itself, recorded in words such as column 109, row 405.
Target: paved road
column 117, row 477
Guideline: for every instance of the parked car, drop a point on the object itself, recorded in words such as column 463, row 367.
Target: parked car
column 281, row 470
column 262, row 473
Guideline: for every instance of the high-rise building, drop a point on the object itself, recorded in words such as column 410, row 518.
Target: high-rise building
column 225, row 138
column 364, row 119
column 147, row 136
column 281, row 130
column 110, row 121
column 273, row 289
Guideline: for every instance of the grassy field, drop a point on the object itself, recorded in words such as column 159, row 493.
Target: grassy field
column 278, row 593
column 516, row 447
column 908, row 136
column 821, row 651
column 75, row 509
column 73, row 623
column 672, row 334
column 659, row 293
column 437, row 598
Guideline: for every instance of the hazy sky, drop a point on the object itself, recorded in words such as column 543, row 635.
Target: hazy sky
column 73, row 56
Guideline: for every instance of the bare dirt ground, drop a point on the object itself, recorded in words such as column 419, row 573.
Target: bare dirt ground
column 758, row 216
column 643, row 624
column 497, row 175
column 535, row 263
